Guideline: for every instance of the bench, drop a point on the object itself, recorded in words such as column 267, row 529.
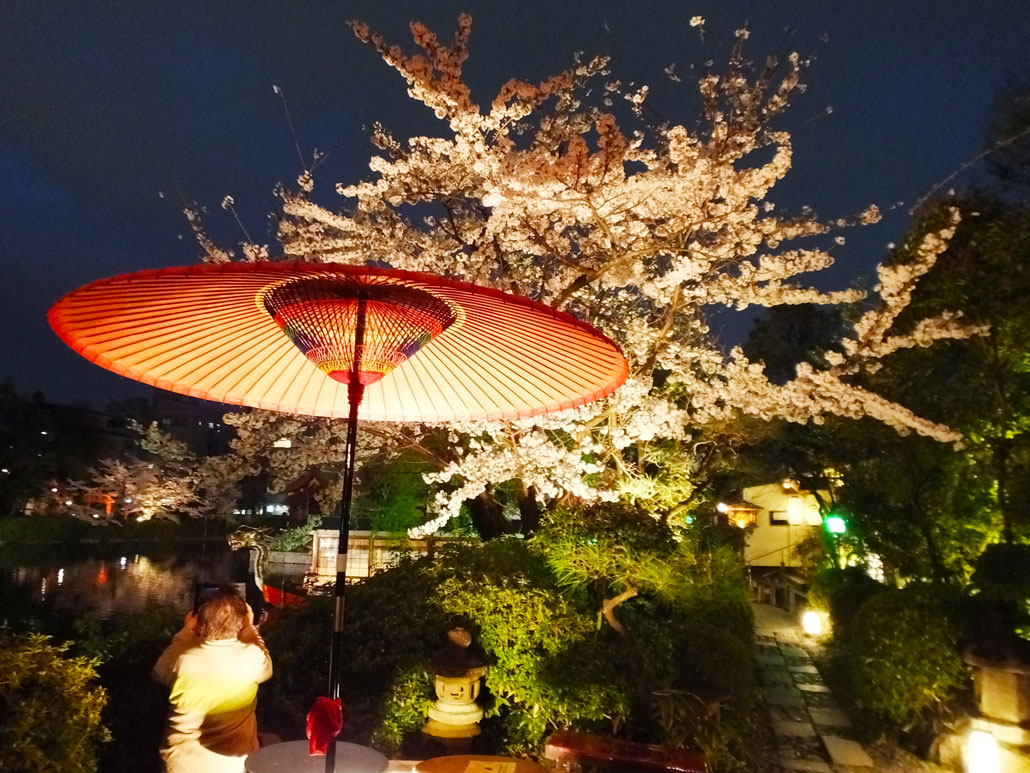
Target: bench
column 569, row 749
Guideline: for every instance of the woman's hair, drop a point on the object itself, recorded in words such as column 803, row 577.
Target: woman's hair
column 223, row 616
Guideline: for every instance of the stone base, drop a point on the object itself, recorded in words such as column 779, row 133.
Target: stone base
column 1013, row 743
column 1012, row 758
column 444, row 730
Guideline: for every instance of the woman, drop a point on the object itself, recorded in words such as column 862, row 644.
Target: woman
column 213, row 667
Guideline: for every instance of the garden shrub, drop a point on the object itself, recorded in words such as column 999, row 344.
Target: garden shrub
column 391, row 627
column 554, row 661
column 126, row 647
column 550, row 667
column 901, row 655
column 50, row 707
column 841, row 592
column 1002, row 584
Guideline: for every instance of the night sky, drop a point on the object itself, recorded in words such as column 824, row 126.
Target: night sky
column 111, row 113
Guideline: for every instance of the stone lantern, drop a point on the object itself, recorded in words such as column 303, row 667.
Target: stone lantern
column 454, row 716
column 1001, row 670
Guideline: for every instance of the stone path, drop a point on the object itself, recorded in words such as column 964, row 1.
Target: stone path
column 812, row 732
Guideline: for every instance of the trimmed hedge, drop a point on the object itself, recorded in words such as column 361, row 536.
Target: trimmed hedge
column 901, row 653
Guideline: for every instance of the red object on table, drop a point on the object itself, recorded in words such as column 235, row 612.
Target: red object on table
column 568, row 746
column 325, row 721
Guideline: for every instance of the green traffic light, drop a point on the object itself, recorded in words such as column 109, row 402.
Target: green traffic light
column 835, row 524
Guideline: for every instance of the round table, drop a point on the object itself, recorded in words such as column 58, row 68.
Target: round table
column 478, row 763
column 293, row 757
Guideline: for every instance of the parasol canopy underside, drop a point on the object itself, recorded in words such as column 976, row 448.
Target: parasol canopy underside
column 203, row 331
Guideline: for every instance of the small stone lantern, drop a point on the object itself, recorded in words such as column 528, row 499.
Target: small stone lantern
column 454, row 716
column 1001, row 669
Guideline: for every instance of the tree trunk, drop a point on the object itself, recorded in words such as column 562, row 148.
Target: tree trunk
column 487, row 517
column 529, row 510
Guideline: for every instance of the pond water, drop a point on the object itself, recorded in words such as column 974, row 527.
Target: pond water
column 47, row 587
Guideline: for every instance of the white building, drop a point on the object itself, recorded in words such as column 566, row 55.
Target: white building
column 780, row 516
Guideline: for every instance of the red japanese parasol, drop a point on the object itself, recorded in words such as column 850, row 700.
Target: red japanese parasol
column 338, row 340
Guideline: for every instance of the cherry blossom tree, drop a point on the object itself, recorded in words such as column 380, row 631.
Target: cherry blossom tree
column 566, row 192
column 172, row 482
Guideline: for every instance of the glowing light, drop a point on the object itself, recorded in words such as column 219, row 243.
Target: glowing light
column 140, row 519
column 722, row 507
column 981, row 753
column 53, row 491
column 60, row 576
column 67, row 502
column 795, row 510
column 5, row 471
column 812, row 622
column 835, row 524
column 95, row 515
column 123, row 561
column 283, row 442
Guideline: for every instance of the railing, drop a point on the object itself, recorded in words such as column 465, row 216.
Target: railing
column 780, row 588
column 369, row 552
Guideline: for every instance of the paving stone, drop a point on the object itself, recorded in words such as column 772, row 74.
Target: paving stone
column 801, row 729
column 783, row 696
column 820, row 700
column 829, row 717
column 845, row 752
column 790, row 713
column 771, row 659
column 804, row 668
column 822, row 688
column 793, row 651
column 775, row 676
column 813, row 764
column 803, row 677
column 801, row 747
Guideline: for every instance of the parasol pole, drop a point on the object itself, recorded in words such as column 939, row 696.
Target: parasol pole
column 355, row 392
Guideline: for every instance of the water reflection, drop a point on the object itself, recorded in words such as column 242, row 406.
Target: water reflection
column 63, row 584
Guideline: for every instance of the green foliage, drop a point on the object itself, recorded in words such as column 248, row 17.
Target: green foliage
column 841, row 593
column 1002, row 582
column 535, row 635
column 50, row 707
column 613, row 544
column 785, row 336
column 299, row 537
column 404, row 707
column 65, row 529
column 553, row 663
column 394, row 494
column 901, row 656
column 127, row 647
column 392, row 626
